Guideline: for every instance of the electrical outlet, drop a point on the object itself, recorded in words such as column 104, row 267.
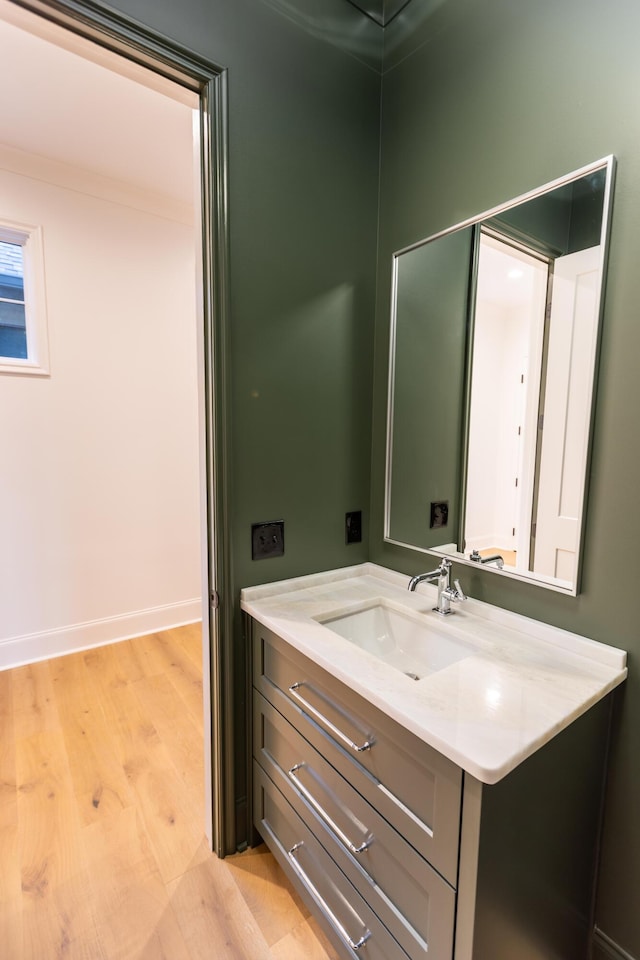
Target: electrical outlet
column 353, row 527
column 439, row 514
column 267, row 540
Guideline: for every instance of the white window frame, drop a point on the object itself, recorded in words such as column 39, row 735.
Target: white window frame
column 30, row 239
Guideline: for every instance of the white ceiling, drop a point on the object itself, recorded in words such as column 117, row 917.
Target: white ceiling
column 59, row 104
column 506, row 276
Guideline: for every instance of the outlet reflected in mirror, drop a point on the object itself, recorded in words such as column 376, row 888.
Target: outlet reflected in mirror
column 495, row 331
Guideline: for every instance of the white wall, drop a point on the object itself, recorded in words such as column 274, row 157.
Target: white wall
column 99, row 501
column 483, row 507
column 500, row 350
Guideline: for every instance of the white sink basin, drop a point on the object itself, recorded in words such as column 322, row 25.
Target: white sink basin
column 411, row 644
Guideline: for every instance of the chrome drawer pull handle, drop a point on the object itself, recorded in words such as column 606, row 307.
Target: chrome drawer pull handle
column 354, row 944
column 323, row 813
column 293, row 690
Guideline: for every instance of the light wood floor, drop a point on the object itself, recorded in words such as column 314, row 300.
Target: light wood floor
column 102, row 849
column 509, row 556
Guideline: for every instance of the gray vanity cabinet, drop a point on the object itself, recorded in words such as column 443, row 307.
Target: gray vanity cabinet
column 397, row 851
column 376, row 813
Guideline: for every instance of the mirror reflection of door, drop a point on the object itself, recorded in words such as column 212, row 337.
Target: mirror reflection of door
column 524, row 495
column 507, row 358
column 564, row 435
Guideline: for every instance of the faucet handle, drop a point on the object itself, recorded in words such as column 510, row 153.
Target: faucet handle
column 460, row 592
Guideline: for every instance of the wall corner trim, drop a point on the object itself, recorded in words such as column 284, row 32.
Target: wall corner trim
column 29, row 648
column 607, row 949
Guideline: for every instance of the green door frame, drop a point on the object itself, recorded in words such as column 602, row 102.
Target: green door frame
column 136, row 42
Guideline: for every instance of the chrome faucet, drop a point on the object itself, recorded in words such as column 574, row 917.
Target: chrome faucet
column 496, row 558
column 446, row 593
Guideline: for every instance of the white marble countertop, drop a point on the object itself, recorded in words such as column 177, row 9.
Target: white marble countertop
column 521, row 684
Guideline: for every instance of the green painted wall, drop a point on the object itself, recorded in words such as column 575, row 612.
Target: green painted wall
column 304, row 101
column 500, row 97
column 562, row 221
column 428, row 395
column 303, row 170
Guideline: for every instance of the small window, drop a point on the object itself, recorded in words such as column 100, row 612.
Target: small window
column 23, row 328
column 13, row 322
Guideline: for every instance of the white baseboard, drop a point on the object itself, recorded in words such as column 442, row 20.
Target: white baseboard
column 16, row 651
column 609, row 948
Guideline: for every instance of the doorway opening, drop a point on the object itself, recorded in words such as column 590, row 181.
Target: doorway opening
column 535, row 329
column 153, row 72
column 507, row 358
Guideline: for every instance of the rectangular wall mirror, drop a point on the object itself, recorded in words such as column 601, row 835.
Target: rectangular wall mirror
column 494, row 342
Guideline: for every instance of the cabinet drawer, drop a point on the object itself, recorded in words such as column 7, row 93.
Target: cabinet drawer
column 413, row 901
column 413, row 786
column 353, row 927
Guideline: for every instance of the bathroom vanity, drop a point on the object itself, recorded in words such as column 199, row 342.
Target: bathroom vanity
column 431, row 785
